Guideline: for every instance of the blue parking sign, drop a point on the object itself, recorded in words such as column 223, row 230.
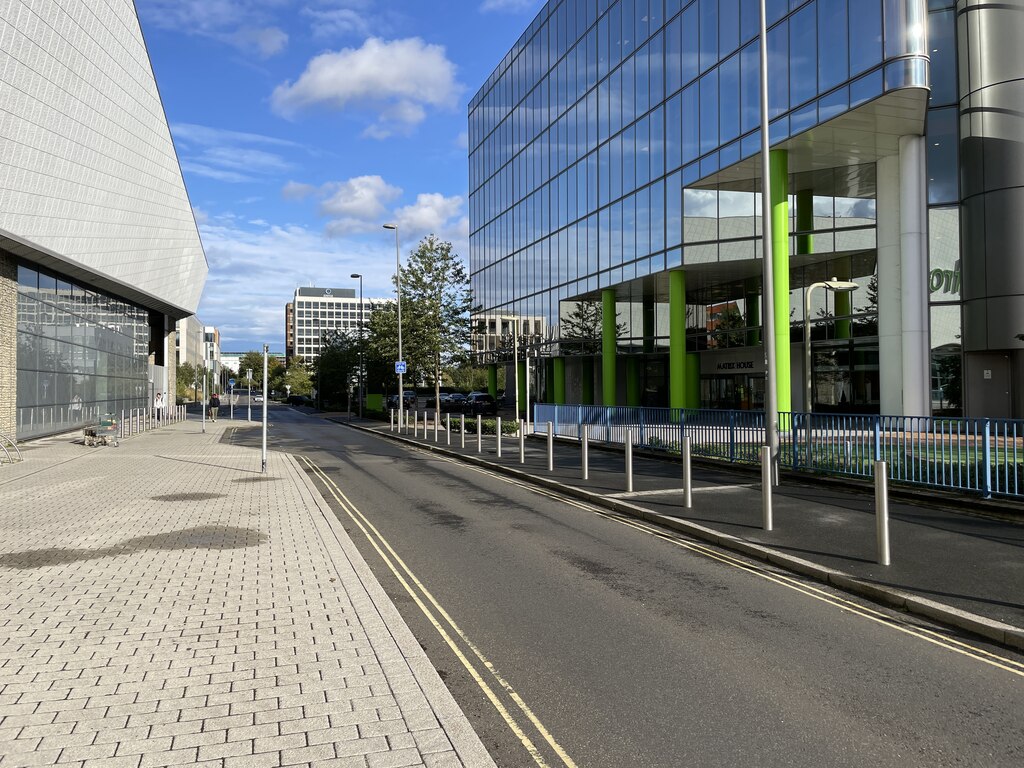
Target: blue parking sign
column 400, row 366
column 231, row 383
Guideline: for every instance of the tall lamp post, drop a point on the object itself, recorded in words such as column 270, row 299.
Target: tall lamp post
column 354, row 276
column 835, row 286
column 771, row 399
column 398, row 291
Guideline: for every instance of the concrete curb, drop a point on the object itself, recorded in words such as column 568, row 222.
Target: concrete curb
column 1005, row 634
column 452, row 719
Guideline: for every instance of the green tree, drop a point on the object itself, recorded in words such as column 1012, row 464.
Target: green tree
column 254, row 360
column 436, row 301
column 185, row 377
column 337, row 369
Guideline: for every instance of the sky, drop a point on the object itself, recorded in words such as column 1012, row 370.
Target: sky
column 302, row 126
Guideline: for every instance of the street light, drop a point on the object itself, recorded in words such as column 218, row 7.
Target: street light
column 398, row 291
column 836, row 286
column 354, row 276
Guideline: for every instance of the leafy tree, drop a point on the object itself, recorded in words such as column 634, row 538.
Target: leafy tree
column 254, row 360
column 470, row 378
column 729, row 328
column 436, row 301
column 337, row 368
column 185, row 376
column 582, row 328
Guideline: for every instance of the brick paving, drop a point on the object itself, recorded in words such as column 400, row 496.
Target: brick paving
column 163, row 603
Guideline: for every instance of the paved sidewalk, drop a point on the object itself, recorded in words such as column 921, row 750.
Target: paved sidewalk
column 163, row 603
column 965, row 570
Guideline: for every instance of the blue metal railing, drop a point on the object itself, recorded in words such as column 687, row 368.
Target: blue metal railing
column 977, row 456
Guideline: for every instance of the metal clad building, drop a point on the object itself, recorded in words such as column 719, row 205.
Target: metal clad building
column 99, row 250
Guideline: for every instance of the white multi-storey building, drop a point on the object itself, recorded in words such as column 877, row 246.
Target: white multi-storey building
column 99, row 250
column 317, row 311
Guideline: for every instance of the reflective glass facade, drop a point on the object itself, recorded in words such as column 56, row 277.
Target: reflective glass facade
column 584, row 139
column 80, row 353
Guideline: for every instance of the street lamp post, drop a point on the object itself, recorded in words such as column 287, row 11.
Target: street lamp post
column 355, row 275
column 836, row 286
column 398, row 291
column 771, row 398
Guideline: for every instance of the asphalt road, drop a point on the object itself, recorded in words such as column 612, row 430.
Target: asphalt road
column 615, row 644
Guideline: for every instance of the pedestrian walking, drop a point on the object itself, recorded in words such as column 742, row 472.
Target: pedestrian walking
column 214, row 406
column 158, row 406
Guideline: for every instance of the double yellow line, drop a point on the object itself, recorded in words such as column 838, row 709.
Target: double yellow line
column 922, row 633
column 449, row 630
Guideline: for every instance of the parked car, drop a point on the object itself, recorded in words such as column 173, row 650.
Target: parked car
column 257, row 397
column 408, row 400
column 454, row 402
column 480, row 403
column 299, row 400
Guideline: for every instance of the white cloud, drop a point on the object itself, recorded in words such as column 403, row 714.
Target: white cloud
column 337, row 22
column 356, row 205
column 395, row 79
column 226, row 155
column 235, row 22
column 249, row 282
column 508, row 6
column 266, row 42
column 430, row 213
column 294, row 190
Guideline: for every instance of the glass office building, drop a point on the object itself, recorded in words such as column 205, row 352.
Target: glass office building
column 99, row 250
column 615, row 191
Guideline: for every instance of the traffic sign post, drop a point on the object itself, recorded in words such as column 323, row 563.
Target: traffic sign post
column 400, row 366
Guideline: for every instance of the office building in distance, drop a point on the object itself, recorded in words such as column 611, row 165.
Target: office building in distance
column 99, row 250
column 615, row 185
column 317, row 312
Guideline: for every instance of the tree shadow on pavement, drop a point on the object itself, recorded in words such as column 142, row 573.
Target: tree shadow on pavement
column 209, row 537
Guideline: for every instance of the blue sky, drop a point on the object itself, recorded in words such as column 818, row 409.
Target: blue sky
column 304, row 125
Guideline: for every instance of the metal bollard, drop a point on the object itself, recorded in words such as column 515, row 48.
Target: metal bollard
column 120, row 426
column 585, row 451
column 415, row 424
column 882, row 511
column 392, row 419
column 687, row 475
column 629, row 461
column 479, row 433
column 522, row 441
column 437, row 424
column 462, row 429
column 448, row 427
column 551, row 447
column 766, row 487
column 497, row 433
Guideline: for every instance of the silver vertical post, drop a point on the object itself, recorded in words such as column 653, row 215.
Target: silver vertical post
column 437, row 424
column 479, row 433
column 551, row 447
column 448, row 427
column 629, row 461
column 248, row 415
column 392, row 419
column 522, row 441
column 263, row 469
column 415, row 424
column 462, row 430
column 497, row 434
column 882, row 511
column 585, row 451
column 766, row 487
column 771, row 398
column 120, row 425
column 687, row 475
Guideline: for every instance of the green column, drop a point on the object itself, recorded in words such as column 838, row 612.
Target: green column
column 492, row 379
column 608, row 339
column 587, row 380
column 521, row 384
column 843, row 300
column 677, row 339
column 633, row 379
column 779, row 165
column 558, row 380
